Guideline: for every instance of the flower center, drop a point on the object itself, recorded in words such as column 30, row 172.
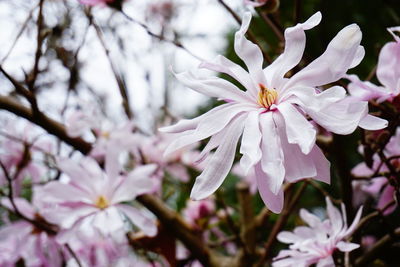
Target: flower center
column 101, row 202
column 266, row 97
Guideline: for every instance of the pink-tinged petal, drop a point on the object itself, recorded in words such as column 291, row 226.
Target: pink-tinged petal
column 287, row 237
column 213, row 87
column 387, row 71
column 251, row 139
column 295, row 42
column 310, row 98
column 326, row 262
column 219, row 164
column 372, row 123
column 107, row 221
column 334, row 216
column 213, row 143
column 355, row 222
column 361, row 170
column 137, row 182
column 341, row 117
column 309, row 218
column 274, row 202
column 224, row 65
column 210, row 125
column 365, row 91
column 346, row 247
column 249, row 52
column 178, row 171
column 387, row 197
column 187, row 125
column 59, row 192
column 148, row 226
column 375, row 186
column 272, row 155
column 297, row 165
column 358, row 57
column 322, row 165
column 333, row 63
column 298, row 129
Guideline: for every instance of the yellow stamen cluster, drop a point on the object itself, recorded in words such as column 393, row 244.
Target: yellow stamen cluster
column 266, row 97
column 102, row 202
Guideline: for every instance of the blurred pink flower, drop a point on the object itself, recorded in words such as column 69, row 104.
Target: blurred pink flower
column 196, row 210
column 378, row 187
column 94, row 197
column 277, row 139
column 388, row 73
column 314, row 244
column 21, row 239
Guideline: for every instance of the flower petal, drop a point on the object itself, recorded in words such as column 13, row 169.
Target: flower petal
column 298, row 129
column 372, row 123
column 274, row 202
column 295, row 42
column 346, row 247
column 333, row 63
column 147, row 225
column 387, row 71
column 251, row 139
column 219, row 164
column 272, row 155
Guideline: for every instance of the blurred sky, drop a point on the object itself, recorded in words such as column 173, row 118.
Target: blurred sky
column 144, row 61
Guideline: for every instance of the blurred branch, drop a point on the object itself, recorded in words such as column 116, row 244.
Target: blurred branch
column 51, row 126
column 120, row 81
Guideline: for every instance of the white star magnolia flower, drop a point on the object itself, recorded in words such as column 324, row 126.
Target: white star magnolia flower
column 315, row 244
column 277, row 139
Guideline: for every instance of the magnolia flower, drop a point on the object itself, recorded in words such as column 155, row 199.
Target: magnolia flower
column 94, row 197
column 21, row 239
column 387, row 72
column 270, row 115
column 314, row 244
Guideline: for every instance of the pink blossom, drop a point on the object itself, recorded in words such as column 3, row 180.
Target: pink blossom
column 277, row 139
column 196, row 210
column 379, row 187
column 94, row 198
column 21, row 239
column 387, row 72
column 314, row 244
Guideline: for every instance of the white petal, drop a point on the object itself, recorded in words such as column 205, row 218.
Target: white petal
column 251, row 139
column 272, row 155
column 371, row 123
column 219, row 164
column 295, row 41
column 346, row 247
column 147, row 225
column 359, row 57
column 209, row 125
column 298, row 129
column 333, row 63
column 213, row 87
column 322, row 165
column 287, row 237
column 274, row 202
column 249, row 52
column 387, row 71
column 335, row 216
column 311, row 219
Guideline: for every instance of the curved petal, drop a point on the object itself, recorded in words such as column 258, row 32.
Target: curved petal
column 311, row 219
column 272, row 155
column 335, row 217
column 388, row 71
column 219, row 164
column 295, row 42
column 251, row 139
column 224, row 65
column 386, row 197
column 322, row 165
column 333, row 63
column 147, row 225
column 298, row 129
column 372, row 123
column 274, row 202
column 359, row 57
column 210, row 125
column 346, row 247
column 249, row 52
column 213, row 87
